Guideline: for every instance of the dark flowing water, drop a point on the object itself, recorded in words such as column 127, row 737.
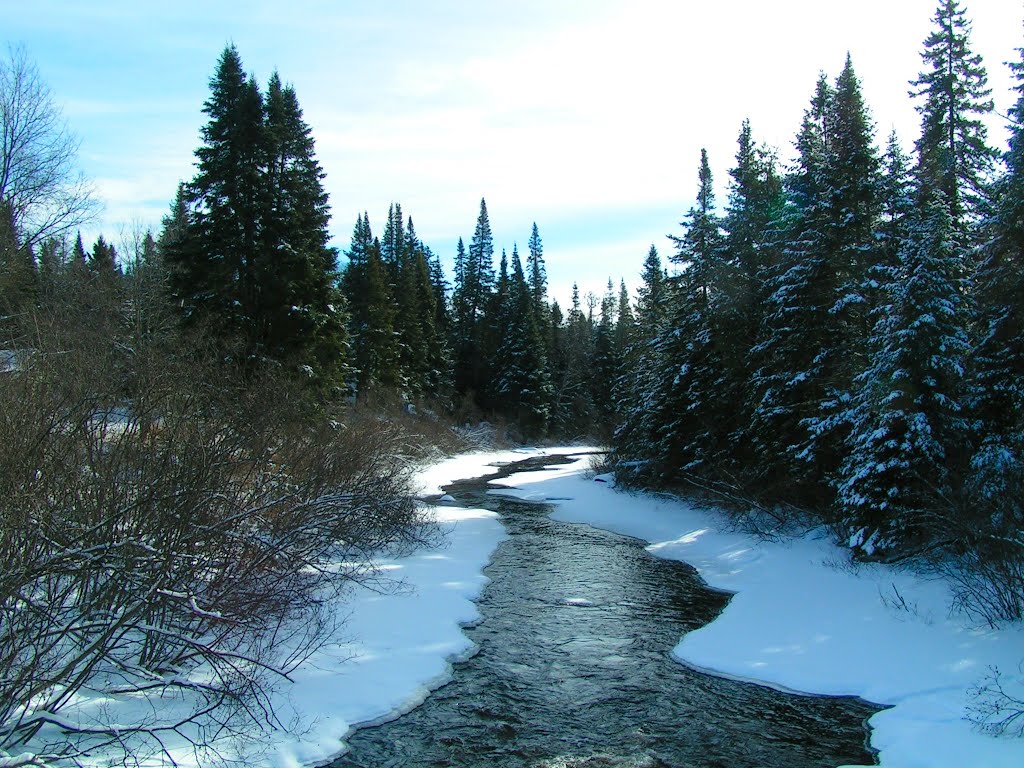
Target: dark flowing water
column 574, row 669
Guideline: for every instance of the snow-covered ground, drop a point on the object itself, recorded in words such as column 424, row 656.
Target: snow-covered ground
column 802, row 621
column 402, row 641
column 797, row 621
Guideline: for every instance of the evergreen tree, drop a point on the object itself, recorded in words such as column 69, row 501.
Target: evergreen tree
column 372, row 312
column 393, row 242
column 625, row 331
column 815, row 327
column 695, row 400
column 251, row 263
column 848, row 217
column 896, row 208
column 537, row 273
column 752, row 221
column 996, row 476
column 953, row 155
column 174, row 225
column 522, row 387
column 300, row 310
column 18, row 279
column 573, row 410
column 51, row 265
column 433, row 296
column 213, row 275
column 78, row 268
column 412, row 312
column 102, row 261
column 796, row 344
column 752, row 225
column 494, row 323
column 907, row 441
column 474, row 284
column 651, row 296
column 605, row 365
column 634, row 436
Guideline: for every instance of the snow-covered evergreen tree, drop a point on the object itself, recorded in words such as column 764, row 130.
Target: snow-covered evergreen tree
column 523, row 389
column 995, row 481
column 471, row 297
column 696, row 398
column 908, row 437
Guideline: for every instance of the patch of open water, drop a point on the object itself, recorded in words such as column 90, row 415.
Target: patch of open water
column 573, row 669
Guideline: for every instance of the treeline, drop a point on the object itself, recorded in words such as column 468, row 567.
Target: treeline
column 489, row 345
column 846, row 338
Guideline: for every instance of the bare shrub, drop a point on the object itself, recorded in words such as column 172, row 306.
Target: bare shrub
column 997, row 705
column 173, row 530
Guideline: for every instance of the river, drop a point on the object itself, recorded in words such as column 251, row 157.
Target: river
column 574, row 668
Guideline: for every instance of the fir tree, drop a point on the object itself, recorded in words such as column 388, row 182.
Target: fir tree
column 474, row 284
column 605, row 365
column 996, row 476
column 573, row 410
column 537, row 273
column 300, row 310
column 907, row 441
column 393, row 241
column 953, row 155
column 695, row 402
column 102, row 262
column 372, row 312
column 251, row 262
column 213, row 269
column 523, row 388
column 634, row 436
column 651, row 296
column 752, row 225
column 625, row 330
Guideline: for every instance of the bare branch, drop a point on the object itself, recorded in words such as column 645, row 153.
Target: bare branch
column 38, row 179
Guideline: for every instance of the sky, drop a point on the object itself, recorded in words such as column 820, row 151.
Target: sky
column 584, row 116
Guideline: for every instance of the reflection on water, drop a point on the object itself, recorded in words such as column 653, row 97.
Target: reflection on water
column 574, row 671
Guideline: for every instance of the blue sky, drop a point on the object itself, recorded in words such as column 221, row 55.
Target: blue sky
column 584, row 116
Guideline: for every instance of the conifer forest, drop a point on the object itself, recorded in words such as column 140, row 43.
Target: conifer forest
column 837, row 342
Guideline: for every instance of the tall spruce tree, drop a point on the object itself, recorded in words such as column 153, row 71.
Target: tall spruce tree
column 695, row 402
column 251, row 265
column 573, row 412
column 907, row 444
column 605, row 364
column 522, row 386
column 536, row 272
column 752, row 224
column 796, row 349
column 474, row 284
column 213, row 271
column 372, row 312
column 301, row 309
column 634, row 436
column 953, row 154
column 996, row 475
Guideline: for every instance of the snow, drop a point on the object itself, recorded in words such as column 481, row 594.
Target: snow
column 804, row 619
column 801, row 619
column 402, row 641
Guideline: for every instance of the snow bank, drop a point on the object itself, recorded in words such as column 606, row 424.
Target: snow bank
column 402, row 641
column 796, row 622
column 804, row 620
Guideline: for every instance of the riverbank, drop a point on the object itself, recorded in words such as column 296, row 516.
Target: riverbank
column 797, row 621
column 803, row 619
